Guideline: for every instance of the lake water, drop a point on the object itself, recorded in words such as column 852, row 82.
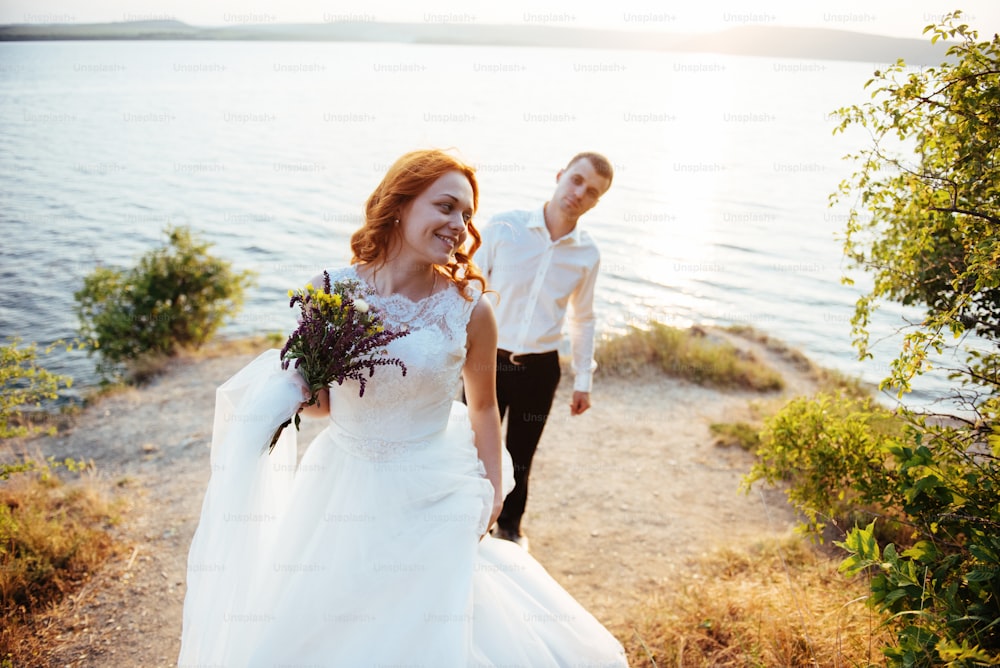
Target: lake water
column 718, row 214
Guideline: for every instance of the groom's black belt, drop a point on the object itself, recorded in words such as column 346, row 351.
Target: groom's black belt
column 526, row 358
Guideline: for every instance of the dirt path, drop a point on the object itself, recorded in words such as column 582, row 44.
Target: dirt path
column 621, row 499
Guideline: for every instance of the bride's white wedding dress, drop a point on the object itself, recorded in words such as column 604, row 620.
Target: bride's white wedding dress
column 367, row 553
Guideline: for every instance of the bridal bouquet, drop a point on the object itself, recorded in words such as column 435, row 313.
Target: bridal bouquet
column 339, row 337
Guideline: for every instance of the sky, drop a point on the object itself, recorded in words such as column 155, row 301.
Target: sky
column 897, row 18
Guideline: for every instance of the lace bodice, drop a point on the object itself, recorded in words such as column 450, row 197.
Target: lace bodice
column 397, row 409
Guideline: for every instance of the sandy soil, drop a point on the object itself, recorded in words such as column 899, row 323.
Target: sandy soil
column 622, row 498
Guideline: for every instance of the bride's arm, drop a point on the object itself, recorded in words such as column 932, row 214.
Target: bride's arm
column 479, row 375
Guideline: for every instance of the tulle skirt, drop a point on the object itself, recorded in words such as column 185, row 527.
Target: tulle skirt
column 366, row 553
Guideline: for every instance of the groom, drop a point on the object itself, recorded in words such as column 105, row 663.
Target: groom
column 540, row 263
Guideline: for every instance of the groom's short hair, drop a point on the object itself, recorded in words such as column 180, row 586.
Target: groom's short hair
column 601, row 164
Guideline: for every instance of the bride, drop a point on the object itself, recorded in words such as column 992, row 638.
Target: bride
column 373, row 550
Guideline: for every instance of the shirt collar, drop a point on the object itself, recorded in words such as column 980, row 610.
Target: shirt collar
column 537, row 220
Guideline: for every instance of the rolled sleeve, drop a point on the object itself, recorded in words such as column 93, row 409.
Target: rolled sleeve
column 582, row 330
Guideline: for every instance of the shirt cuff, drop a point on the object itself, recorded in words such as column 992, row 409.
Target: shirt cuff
column 583, row 381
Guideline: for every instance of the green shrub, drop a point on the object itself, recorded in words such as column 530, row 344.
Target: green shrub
column 177, row 297
column 24, row 384
column 935, row 493
column 944, row 591
column 830, row 450
column 924, row 223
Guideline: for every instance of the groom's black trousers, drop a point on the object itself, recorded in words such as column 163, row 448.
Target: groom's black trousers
column 526, row 386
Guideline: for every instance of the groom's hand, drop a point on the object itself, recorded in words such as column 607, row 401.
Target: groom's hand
column 580, row 403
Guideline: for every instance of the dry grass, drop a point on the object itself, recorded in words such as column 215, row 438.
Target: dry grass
column 793, row 355
column 45, row 421
column 747, row 434
column 219, row 347
column 144, row 369
column 688, row 354
column 53, row 535
column 777, row 604
column 826, row 379
column 736, row 434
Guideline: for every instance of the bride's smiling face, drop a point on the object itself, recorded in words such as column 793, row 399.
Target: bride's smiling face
column 435, row 224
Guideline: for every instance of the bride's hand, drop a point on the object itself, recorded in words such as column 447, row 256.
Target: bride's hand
column 497, row 507
column 319, row 409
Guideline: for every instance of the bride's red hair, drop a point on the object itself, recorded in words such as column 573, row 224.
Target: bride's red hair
column 409, row 176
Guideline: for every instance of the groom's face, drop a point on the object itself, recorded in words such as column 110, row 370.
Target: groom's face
column 578, row 188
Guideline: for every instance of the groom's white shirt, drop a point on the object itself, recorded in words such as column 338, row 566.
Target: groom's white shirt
column 540, row 284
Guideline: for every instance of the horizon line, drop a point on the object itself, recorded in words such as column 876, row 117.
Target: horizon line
column 263, row 20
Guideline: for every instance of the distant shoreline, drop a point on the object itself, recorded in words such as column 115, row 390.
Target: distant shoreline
column 770, row 41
